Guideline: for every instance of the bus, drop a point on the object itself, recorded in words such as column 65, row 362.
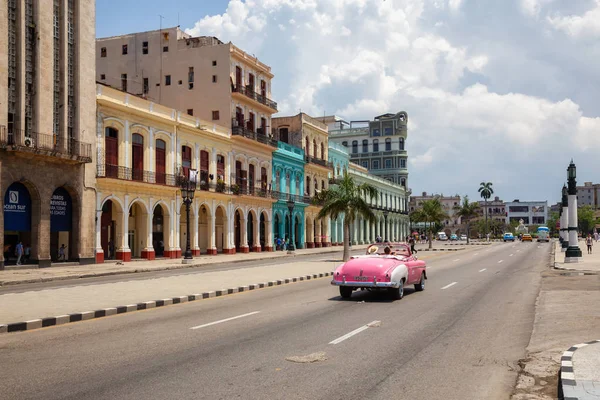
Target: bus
column 543, row 234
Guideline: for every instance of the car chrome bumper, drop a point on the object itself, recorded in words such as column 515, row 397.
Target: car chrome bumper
column 357, row 284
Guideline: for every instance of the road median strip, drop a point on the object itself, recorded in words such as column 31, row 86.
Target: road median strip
column 146, row 305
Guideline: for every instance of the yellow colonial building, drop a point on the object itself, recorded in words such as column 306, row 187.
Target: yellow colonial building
column 142, row 148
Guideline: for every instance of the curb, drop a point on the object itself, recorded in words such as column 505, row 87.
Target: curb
column 145, row 305
column 572, row 390
column 170, row 267
column 419, row 250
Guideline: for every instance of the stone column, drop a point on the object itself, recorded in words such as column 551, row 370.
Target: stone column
column 195, row 239
column 564, row 220
column 244, row 233
column 573, row 253
column 212, row 245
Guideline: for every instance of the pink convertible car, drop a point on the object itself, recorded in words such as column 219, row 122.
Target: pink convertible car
column 388, row 269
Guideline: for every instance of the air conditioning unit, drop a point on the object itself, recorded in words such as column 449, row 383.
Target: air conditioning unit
column 29, row 142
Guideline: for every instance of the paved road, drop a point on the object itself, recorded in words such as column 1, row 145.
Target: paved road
column 461, row 342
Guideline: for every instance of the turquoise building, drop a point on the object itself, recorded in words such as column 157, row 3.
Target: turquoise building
column 288, row 184
column 339, row 159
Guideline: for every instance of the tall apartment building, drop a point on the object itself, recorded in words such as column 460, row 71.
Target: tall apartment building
column 47, row 124
column 377, row 145
column 202, row 76
column 588, row 195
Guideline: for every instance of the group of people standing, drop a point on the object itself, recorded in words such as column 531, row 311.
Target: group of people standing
column 23, row 253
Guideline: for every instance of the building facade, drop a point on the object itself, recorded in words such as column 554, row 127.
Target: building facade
column 201, row 76
column 531, row 212
column 378, row 145
column 496, row 209
column 47, row 114
column 142, row 148
column 310, row 134
column 588, row 195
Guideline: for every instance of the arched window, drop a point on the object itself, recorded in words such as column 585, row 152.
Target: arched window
column 137, row 148
column 111, row 151
column 365, row 146
column 403, row 182
column 345, row 144
column 307, row 147
column 355, row 146
column 316, row 186
column 401, row 143
column 388, row 144
column 375, row 145
column 322, row 151
column 283, row 135
column 315, row 149
column 186, row 159
column 308, row 185
column 277, row 180
column 323, row 185
column 161, row 161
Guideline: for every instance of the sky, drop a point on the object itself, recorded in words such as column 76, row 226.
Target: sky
column 504, row 91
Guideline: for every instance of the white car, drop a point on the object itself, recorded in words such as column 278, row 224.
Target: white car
column 463, row 237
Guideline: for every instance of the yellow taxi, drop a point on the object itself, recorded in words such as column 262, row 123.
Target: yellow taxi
column 526, row 238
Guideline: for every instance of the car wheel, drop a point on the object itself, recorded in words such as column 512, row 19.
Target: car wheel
column 345, row 292
column 419, row 287
column 398, row 293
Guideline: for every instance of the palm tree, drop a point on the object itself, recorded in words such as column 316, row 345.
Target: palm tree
column 347, row 198
column 486, row 191
column 431, row 212
column 466, row 211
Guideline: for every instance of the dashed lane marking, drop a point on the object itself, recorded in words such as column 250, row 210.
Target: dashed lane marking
column 475, row 254
column 500, row 262
column 458, row 259
column 224, row 320
column 450, row 285
column 511, row 255
column 481, row 270
column 354, row 332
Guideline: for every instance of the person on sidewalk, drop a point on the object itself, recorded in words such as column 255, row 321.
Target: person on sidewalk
column 19, row 252
column 590, row 242
column 27, row 253
column 61, row 253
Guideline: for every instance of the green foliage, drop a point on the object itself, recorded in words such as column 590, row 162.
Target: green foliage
column 347, row 199
column 467, row 211
column 431, row 212
column 552, row 219
column 586, row 219
column 485, row 190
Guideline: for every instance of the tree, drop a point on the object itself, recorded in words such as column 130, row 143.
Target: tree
column 467, row 211
column 586, row 221
column 431, row 212
column 552, row 219
column 486, row 191
column 347, row 198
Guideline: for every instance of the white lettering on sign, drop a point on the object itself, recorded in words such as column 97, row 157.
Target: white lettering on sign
column 15, row 208
column 58, row 205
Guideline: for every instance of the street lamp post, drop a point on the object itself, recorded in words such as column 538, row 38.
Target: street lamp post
column 291, row 247
column 573, row 253
column 564, row 221
column 188, row 187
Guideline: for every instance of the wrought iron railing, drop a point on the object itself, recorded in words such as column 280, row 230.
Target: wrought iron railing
column 248, row 92
column 318, row 161
column 53, row 145
column 237, row 130
column 130, row 174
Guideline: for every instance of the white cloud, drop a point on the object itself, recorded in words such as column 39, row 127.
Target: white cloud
column 586, row 25
column 469, row 119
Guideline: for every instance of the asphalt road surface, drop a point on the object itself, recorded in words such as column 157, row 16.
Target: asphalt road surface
column 459, row 339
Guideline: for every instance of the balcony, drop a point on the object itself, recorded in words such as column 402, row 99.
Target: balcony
column 237, row 130
column 45, row 144
column 248, row 92
column 136, row 175
column 294, row 197
column 317, row 161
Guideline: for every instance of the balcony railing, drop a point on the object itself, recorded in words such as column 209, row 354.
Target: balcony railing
column 41, row 143
column 317, row 161
column 138, row 175
column 248, row 92
column 247, row 133
column 294, row 197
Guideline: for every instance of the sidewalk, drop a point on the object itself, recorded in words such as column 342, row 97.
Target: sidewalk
column 566, row 313
column 588, row 262
column 35, row 275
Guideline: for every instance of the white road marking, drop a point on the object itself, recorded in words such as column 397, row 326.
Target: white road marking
column 481, row 270
column 518, row 250
column 450, row 285
column 511, row 255
column 458, row 259
column 475, row 254
column 501, row 261
column 354, row 332
column 224, row 320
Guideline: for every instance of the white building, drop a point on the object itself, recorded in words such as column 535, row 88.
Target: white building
column 531, row 212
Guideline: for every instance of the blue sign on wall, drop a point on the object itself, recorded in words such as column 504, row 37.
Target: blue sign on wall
column 60, row 211
column 17, row 208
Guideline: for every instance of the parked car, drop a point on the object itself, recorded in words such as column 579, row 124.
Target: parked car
column 509, row 237
column 442, row 236
column 380, row 271
column 526, row 238
column 463, row 237
column 454, row 237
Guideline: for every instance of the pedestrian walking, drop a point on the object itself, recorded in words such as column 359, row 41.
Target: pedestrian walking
column 278, row 243
column 61, row 253
column 590, row 242
column 19, row 252
column 596, row 236
column 412, row 246
column 27, row 253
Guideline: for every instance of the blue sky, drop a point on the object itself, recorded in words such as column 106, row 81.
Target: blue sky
column 117, row 17
column 495, row 90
